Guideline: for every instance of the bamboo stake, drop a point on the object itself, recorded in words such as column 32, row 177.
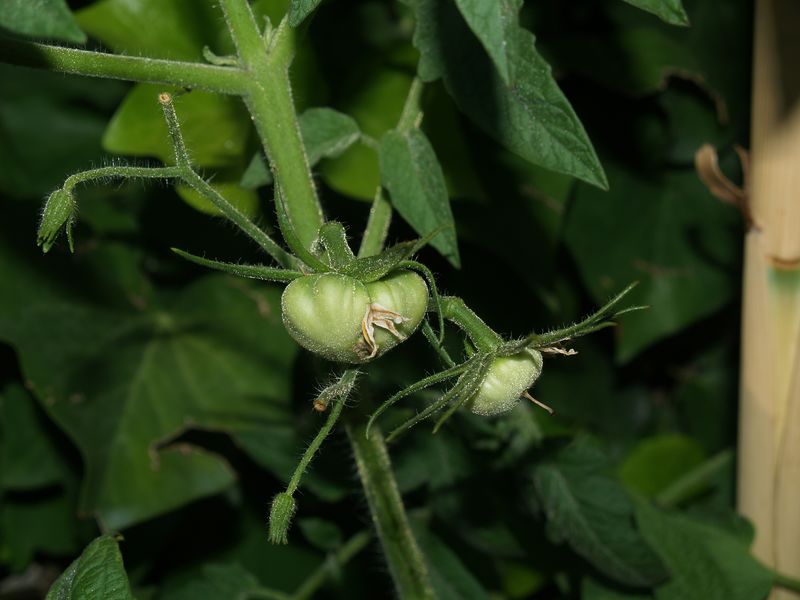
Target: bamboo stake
column 769, row 436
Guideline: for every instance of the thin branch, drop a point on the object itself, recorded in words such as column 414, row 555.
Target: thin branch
column 223, row 80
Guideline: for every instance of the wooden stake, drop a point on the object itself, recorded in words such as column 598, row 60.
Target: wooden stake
column 769, row 437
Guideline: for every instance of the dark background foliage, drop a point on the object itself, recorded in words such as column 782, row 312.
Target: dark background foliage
column 121, row 356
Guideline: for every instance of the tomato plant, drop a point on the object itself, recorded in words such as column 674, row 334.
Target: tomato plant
column 409, row 224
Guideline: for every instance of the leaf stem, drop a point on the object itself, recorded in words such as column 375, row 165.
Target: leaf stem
column 341, row 557
column 195, row 75
column 411, row 109
column 269, row 100
column 483, row 336
column 123, row 172
column 403, row 555
column 380, row 217
column 690, row 483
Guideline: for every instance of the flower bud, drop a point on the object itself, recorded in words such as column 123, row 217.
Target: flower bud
column 58, row 213
column 280, row 517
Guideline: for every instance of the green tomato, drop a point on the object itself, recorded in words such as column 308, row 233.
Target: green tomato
column 508, row 378
column 344, row 320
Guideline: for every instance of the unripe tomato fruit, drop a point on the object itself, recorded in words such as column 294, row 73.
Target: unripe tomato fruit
column 507, row 379
column 326, row 313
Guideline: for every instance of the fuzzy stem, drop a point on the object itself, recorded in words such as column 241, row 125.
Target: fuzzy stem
column 380, row 217
column 405, row 559
column 269, row 99
column 223, row 80
column 341, row 557
column 693, row 481
column 340, row 391
column 411, row 109
column 480, row 333
column 123, row 172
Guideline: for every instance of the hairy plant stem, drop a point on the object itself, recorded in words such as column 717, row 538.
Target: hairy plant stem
column 223, row 80
column 406, row 562
column 269, row 100
column 483, row 336
column 380, row 217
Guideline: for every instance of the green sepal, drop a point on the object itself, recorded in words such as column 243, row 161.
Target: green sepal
column 261, row 272
column 600, row 319
column 465, row 387
column 417, row 387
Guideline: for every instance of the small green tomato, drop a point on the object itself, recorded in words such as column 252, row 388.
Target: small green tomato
column 509, row 378
column 344, row 320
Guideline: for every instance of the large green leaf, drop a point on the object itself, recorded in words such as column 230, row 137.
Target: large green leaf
column 706, row 563
column 217, row 581
column 668, row 233
column 591, row 512
column 300, row 9
column 28, row 456
column 44, row 523
column 41, row 18
column 175, row 29
column 214, row 127
column 48, row 128
column 450, row 579
column 97, row 574
column 670, row 11
column 411, row 173
column 125, row 381
column 658, row 461
column 529, row 114
column 493, row 22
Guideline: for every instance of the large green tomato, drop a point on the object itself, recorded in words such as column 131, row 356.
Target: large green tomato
column 344, row 320
column 507, row 379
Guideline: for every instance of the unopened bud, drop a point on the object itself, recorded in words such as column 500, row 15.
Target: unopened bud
column 280, row 517
column 58, row 214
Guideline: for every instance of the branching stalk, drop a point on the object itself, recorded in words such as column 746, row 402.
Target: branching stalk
column 222, row 80
column 406, row 562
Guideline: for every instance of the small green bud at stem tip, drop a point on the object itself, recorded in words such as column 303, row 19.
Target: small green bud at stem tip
column 58, row 214
column 280, row 517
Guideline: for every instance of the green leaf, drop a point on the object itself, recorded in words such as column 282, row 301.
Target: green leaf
column 706, row 563
column 300, row 9
column 327, row 133
column 97, row 574
column 215, row 582
column 173, row 29
column 28, row 456
column 594, row 590
column 592, row 513
column 196, row 358
column 413, row 177
column 669, row 11
column 48, row 130
column 323, row 534
column 214, row 127
column 451, row 580
column 376, row 106
column 658, row 461
column 669, row 234
column 42, row 19
column 492, row 22
column 42, row 524
column 529, row 115
column 244, row 199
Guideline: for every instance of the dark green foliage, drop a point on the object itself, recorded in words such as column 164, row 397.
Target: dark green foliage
column 140, row 394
